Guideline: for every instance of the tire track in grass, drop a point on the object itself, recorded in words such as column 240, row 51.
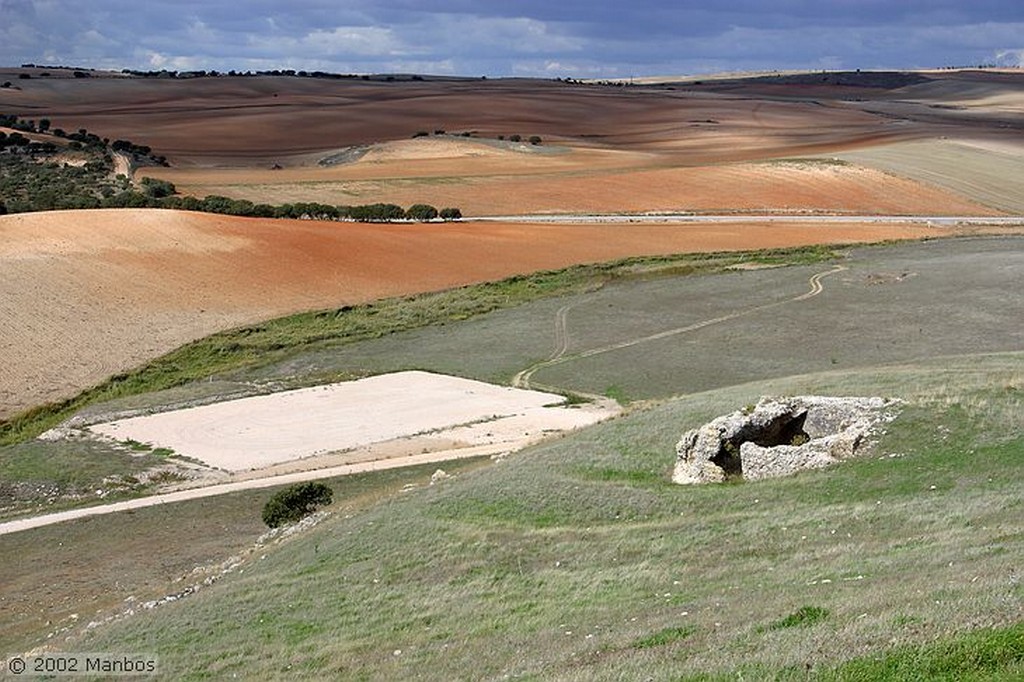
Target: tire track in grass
column 523, row 378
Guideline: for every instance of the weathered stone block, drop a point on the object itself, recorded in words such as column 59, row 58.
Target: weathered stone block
column 779, row 437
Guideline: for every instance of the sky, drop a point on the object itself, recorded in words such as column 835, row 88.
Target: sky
column 543, row 38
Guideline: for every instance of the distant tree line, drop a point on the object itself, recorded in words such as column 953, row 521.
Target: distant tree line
column 27, row 186
column 160, row 194
column 515, row 137
column 202, row 73
column 77, row 71
column 32, row 179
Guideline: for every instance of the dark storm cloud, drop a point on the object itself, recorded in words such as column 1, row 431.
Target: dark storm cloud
column 531, row 37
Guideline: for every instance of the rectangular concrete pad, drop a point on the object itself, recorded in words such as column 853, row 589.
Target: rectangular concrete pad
column 257, row 432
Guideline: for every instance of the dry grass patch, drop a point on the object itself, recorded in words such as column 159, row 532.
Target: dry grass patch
column 992, row 175
column 545, row 566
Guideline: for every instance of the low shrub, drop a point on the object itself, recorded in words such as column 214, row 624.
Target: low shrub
column 295, row 502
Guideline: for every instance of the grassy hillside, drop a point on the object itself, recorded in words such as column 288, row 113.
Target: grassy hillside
column 635, row 329
column 281, row 340
column 578, row 560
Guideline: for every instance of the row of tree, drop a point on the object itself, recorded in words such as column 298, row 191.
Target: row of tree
column 155, row 195
column 515, row 137
column 160, row 194
column 165, row 73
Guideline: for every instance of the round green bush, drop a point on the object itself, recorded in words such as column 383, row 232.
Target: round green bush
column 295, row 502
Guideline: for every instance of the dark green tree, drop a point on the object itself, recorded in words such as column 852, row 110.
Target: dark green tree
column 421, row 212
column 128, row 199
column 158, row 189
column 377, row 213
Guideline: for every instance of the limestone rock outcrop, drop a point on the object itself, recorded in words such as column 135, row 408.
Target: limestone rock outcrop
column 778, row 437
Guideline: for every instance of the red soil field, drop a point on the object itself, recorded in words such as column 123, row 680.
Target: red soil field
column 557, row 185
column 86, row 294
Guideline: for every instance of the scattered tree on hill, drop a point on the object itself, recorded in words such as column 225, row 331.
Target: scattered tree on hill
column 16, row 140
column 450, row 213
column 295, row 502
column 32, row 179
column 535, row 139
column 128, row 199
column 158, row 189
column 515, row 137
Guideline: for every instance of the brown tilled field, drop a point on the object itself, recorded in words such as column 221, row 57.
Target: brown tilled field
column 85, row 295
column 580, row 181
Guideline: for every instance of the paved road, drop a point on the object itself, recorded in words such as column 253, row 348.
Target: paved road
column 939, row 221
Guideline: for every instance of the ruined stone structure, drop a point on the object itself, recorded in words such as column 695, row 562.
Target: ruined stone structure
column 779, row 437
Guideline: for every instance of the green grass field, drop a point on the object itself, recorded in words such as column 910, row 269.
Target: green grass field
column 578, row 559
column 891, row 304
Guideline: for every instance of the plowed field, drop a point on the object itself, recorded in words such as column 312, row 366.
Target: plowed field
column 84, row 295
column 558, row 183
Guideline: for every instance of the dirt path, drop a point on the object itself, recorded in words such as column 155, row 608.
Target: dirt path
column 251, row 484
column 753, row 218
column 523, row 378
column 122, row 165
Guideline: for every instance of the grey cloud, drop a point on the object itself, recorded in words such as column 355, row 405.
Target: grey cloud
column 537, row 37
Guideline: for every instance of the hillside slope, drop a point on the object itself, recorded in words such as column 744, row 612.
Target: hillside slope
column 89, row 294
